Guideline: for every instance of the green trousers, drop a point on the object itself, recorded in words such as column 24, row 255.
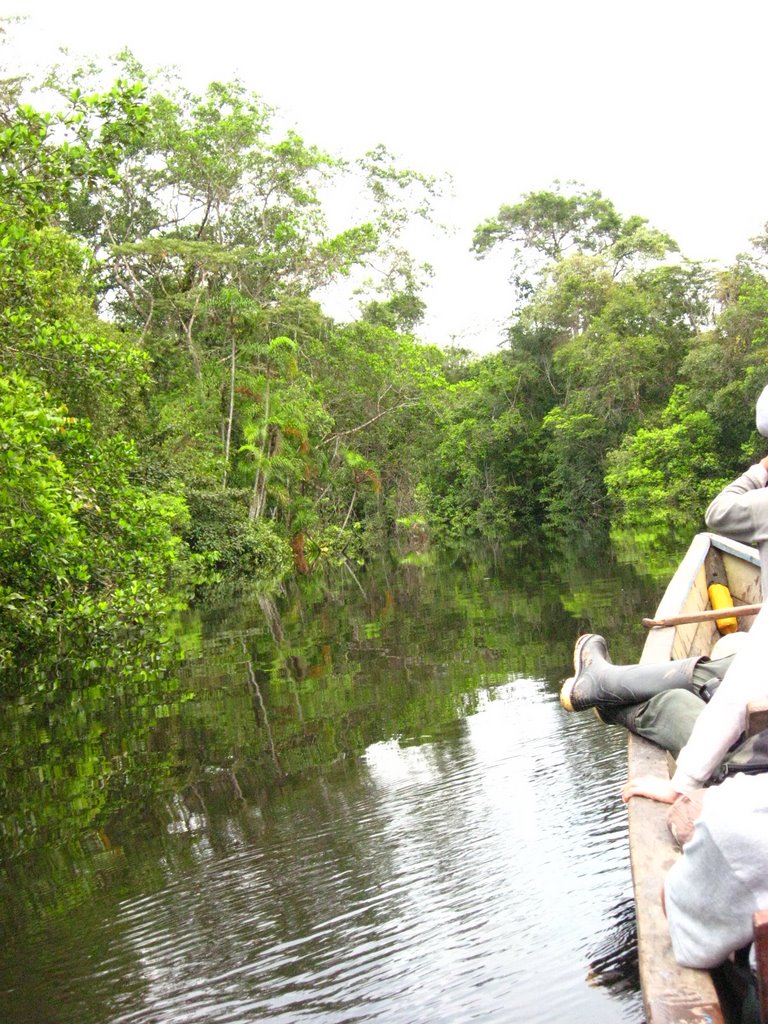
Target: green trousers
column 668, row 718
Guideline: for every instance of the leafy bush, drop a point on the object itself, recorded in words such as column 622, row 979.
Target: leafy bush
column 244, row 549
column 81, row 546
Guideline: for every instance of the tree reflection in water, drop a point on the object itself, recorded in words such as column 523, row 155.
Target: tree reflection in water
column 147, row 781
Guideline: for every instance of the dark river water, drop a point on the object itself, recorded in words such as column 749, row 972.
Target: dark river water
column 358, row 800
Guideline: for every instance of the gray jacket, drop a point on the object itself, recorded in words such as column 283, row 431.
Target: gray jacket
column 740, row 511
column 713, row 890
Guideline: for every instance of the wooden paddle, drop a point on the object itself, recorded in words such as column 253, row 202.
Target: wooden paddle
column 705, row 616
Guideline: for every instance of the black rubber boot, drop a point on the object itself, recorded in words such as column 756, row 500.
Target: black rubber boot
column 598, row 682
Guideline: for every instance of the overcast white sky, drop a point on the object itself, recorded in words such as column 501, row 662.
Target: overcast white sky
column 660, row 104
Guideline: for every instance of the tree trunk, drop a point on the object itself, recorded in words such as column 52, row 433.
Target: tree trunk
column 259, row 493
column 230, row 411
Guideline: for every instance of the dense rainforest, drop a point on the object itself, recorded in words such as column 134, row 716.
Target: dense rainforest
column 178, row 411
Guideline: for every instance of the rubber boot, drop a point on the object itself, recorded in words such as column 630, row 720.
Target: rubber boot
column 598, row 682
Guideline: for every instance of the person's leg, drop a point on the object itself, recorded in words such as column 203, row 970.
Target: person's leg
column 708, row 675
column 666, row 719
column 599, row 683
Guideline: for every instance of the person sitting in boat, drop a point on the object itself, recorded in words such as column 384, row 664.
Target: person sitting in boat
column 740, row 510
column 665, row 702
column 695, row 708
column 712, row 891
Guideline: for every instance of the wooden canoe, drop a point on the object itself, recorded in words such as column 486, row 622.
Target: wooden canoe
column 674, row 994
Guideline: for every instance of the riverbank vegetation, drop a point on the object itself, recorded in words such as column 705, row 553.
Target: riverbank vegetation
column 178, row 409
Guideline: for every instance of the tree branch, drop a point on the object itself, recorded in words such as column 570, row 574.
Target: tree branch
column 362, row 426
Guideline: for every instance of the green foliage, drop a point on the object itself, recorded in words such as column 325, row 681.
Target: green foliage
column 175, row 375
column 595, row 347
column 85, row 551
column 49, row 331
column 576, row 445
column 215, row 266
column 245, row 550
column 382, row 391
column 551, row 225
column 601, row 334
column 80, row 545
column 662, row 478
column 552, row 222
column 484, row 476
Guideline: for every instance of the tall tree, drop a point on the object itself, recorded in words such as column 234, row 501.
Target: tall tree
column 82, row 547
column 598, row 334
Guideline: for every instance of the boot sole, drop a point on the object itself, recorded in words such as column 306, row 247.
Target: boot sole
column 565, row 694
column 566, row 690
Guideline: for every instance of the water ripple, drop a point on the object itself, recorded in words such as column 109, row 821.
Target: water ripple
column 442, row 882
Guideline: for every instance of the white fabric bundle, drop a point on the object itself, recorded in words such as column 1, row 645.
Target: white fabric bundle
column 761, row 413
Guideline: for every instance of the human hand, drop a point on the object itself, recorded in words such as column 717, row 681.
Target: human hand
column 764, row 462
column 650, row 786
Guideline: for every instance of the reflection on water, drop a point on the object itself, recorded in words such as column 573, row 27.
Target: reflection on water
column 346, row 806
column 613, row 960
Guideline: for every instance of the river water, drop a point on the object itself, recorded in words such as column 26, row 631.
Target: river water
column 358, row 800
